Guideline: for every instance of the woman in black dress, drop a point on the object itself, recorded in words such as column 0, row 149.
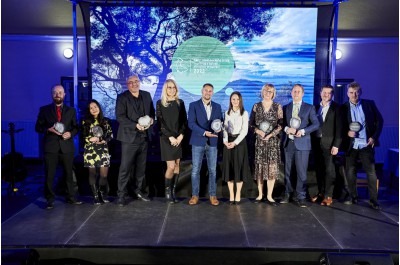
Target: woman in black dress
column 235, row 167
column 96, row 153
column 172, row 119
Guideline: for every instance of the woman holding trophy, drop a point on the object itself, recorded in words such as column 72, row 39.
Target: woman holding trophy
column 235, row 158
column 97, row 132
column 172, row 120
column 265, row 121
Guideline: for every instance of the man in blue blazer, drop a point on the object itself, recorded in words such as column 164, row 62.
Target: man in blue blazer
column 58, row 146
column 204, row 140
column 132, row 105
column 298, row 142
column 360, row 145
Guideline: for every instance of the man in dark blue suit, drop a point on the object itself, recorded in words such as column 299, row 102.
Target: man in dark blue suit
column 298, row 142
column 132, row 105
column 360, row 145
column 203, row 140
column 325, row 144
column 58, row 146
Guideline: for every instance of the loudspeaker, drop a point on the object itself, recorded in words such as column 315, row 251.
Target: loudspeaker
column 19, row 257
column 355, row 259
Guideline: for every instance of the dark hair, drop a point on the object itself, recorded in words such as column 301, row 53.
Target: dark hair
column 208, row 84
column 327, row 86
column 89, row 119
column 240, row 103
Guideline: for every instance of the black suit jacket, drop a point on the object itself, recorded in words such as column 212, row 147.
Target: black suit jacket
column 373, row 122
column 47, row 117
column 128, row 115
column 331, row 128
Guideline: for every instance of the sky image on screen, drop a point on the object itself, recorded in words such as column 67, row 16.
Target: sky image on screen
column 235, row 49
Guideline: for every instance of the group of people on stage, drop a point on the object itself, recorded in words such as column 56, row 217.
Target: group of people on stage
column 298, row 126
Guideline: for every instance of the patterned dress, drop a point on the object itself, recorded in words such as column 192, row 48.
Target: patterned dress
column 96, row 155
column 267, row 153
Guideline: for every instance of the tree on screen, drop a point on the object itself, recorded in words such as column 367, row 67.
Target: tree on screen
column 142, row 40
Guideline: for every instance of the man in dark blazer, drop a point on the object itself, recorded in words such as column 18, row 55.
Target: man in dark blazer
column 297, row 144
column 325, row 145
column 58, row 145
column 204, row 140
column 360, row 145
column 132, row 105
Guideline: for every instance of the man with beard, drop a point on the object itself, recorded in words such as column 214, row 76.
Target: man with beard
column 58, row 144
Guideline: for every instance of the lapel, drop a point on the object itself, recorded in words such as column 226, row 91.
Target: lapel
column 53, row 111
column 203, row 109
column 289, row 111
column 302, row 109
column 130, row 99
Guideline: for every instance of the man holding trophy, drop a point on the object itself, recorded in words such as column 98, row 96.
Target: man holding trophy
column 135, row 113
column 205, row 121
column 362, row 127
column 58, row 124
column 299, row 120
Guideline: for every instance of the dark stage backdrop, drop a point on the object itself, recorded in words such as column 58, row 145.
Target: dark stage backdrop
column 234, row 48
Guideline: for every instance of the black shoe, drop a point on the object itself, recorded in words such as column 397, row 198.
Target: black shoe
column 231, row 202
column 271, row 203
column 50, row 205
column 236, row 202
column 302, row 203
column 142, row 197
column 350, row 201
column 374, row 204
column 258, row 201
column 74, row 202
column 285, row 199
column 121, row 202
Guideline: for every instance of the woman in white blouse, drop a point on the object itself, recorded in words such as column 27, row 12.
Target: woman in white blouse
column 235, row 168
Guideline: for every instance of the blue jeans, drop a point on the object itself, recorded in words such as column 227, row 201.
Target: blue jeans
column 197, row 159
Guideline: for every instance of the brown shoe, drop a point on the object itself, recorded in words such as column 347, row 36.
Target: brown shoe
column 317, row 198
column 194, row 200
column 327, row 201
column 214, row 201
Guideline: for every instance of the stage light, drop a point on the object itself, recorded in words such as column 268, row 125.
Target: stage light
column 68, row 53
column 339, row 54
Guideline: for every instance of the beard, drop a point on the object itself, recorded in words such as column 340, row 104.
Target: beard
column 58, row 101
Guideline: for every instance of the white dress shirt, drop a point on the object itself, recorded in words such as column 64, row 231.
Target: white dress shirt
column 235, row 123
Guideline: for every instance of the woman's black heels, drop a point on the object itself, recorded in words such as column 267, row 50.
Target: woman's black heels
column 260, row 200
column 271, row 203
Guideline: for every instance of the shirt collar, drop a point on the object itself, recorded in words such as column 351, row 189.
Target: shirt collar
column 329, row 103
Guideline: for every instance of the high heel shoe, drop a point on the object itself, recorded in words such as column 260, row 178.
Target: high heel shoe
column 232, row 202
column 237, row 202
column 271, row 203
column 260, row 200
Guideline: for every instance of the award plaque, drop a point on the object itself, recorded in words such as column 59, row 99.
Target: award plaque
column 59, row 127
column 295, row 123
column 145, row 121
column 265, row 127
column 97, row 132
column 355, row 126
column 216, row 125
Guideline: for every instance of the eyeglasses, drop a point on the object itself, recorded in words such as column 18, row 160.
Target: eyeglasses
column 171, row 87
column 268, row 91
column 132, row 82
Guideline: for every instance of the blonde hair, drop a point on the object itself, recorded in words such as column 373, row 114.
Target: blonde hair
column 164, row 100
column 271, row 86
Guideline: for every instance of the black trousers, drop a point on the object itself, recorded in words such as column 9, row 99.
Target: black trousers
column 132, row 155
column 51, row 161
column 324, row 168
column 367, row 158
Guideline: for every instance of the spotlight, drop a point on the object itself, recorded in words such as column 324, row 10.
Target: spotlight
column 68, row 53
column 339, row 54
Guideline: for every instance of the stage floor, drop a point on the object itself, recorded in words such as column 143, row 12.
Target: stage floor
column 248, row 226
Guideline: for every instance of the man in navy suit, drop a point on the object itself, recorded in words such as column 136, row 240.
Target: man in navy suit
column 325, row 145
column 360, row 145
column 204, row 140
column 298, row 142
column 132, row 105
column 58, row 146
